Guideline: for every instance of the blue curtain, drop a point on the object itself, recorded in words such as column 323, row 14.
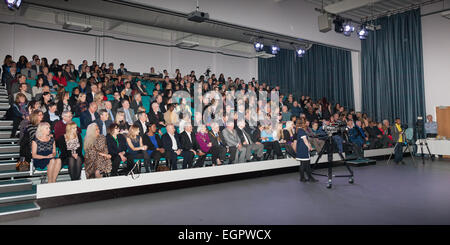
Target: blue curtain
column 392, row 69
column 321, row 72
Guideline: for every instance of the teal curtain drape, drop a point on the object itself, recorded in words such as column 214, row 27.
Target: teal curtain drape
column 321, row 72
column 392, row 69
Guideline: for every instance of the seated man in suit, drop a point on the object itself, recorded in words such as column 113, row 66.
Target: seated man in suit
column 189, row 145
column 234, row 144
column 142, row 123
column 51, row 116
column 249, row 144
column 129, row 113
column 109, row 109
column 216, row 141
column 103, row 122
column 89, row 116
column 172, row 146
column 90, row 95
column 29, row 72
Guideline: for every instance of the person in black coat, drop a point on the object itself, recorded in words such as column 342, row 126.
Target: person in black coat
column 117, row 147
column 189, row 145
column 86, row 117
column 172, row 146
column 142, row 123
column 71, row 152
column 154, row 146
column 155, row 116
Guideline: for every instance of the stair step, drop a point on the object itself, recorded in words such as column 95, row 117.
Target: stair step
column 15, row 185
column 19, row 211
column 9, row 140
column 10, row 165
column 9, row 156
column 16, row 196
column 9, row 127
column 5, row 134
column 9, row 148
column 6, row 123
column 12, row 173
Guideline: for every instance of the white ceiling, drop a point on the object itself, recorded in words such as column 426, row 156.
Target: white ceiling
column 362, row 9
column 45, row 15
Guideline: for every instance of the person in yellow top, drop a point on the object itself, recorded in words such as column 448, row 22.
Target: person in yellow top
column 397, row 136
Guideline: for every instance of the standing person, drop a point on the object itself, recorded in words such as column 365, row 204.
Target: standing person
column 430, row 127
column 303, row 149
column 43, row 151
column 397, row 136
column 97, row 159
column 20, row 112
column 70, row 145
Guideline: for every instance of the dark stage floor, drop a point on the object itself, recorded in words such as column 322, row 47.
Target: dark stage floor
column 382, row 194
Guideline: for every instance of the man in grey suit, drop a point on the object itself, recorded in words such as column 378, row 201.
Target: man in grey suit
column 103, row 122
column 29, row 72
column 129, row 113
column 233, row 141
column 248, row 143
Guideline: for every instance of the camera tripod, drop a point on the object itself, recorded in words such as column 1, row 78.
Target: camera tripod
column 329, row 148
column 421, row 143
column 408, row 147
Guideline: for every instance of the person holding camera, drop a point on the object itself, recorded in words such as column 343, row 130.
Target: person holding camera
column 398, row 137
column 303, row 149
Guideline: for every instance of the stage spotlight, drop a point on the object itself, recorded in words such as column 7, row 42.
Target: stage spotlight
column 259, row 46
column 338, row 25
column 300, row 52
column 13, row 4
column 275, row 48
column 348, row 28
column 363, row 32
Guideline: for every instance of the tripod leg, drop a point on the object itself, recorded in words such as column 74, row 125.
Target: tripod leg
column 429, row 152
column 421, row 151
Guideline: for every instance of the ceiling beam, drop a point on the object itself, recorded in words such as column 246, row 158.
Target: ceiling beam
column 348, row 5
column 114, row 24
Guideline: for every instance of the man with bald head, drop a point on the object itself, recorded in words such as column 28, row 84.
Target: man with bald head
column 172, row 145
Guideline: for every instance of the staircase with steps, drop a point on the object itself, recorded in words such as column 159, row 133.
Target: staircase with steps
column 17, row 196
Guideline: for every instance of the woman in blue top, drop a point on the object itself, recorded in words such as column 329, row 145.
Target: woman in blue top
column 154, row 146
column 136, row 149
column 303, row 149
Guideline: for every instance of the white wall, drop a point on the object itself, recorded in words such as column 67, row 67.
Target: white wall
column 295, row 18
column 436, row 58
column 138, row 57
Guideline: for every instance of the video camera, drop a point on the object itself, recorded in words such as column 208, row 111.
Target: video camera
column 336, row 128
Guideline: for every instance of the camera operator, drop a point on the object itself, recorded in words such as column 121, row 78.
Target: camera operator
column 397, row 135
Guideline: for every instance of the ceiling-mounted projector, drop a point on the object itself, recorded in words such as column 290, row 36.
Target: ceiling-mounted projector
column 76, row 26
column 187, row 44
column 198, row 16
